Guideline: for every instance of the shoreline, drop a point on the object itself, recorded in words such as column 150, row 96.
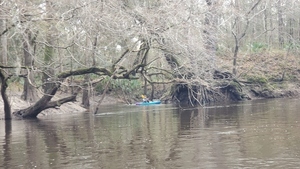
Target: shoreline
column 255, row 91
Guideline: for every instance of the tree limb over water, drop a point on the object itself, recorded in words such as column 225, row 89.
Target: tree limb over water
column 46, row 103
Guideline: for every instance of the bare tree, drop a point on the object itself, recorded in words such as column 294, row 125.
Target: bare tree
column 3, row 37
column 238, row 37
column 49, row 45
column 29, row 91
column 280, row 24
column 181, row 43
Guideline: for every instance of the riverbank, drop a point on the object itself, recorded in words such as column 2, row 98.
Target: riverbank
column 268, row 90
column 272, row 90
column 71, row 107
column 260, row 76
column 253, row 90
column 266, row 74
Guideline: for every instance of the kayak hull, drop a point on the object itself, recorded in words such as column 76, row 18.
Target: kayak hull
column 149, row 103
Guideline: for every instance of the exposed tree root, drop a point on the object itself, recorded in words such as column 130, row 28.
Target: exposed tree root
column 225, row 89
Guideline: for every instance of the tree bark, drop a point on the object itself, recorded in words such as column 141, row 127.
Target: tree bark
column 7, row 109
column 85, row 93
column 3, row 41
column 39, row 106
column 44, row 103
column 235, row 54
column 29, row 91
column 209, row 31
column 280, row 24
column 49, row 50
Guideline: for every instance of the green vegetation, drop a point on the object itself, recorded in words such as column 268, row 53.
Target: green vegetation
column 257, row 79
column 258, row 47
column 292, row 46
column 124, row 85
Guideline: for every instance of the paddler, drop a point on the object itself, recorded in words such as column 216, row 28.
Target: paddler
column 145, row 99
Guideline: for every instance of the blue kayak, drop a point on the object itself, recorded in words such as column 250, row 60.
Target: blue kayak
column 149, row 103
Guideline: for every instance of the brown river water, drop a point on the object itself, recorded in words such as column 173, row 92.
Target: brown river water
column 252, row 134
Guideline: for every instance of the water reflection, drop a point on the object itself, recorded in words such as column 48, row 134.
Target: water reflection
column 6, row 145
column 256, row 134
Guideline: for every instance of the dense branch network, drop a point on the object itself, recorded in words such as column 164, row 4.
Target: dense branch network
column 45, row 103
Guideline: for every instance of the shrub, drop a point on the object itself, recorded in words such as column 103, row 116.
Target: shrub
column 257, row 46
column 127, row 86
column 257, row 79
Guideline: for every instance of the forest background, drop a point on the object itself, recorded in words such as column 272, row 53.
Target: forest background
column 184, row 51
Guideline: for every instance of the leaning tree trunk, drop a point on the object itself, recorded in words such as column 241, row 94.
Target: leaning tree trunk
column 44, row 103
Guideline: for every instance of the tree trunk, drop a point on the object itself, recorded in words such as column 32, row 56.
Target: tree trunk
column 7, row 109
column 210, row 31
column 280, row 24
column 145, row 87
column 29, row 91
column 291, row 31
column 85, row 93
column 3, row 61
column 86, row 90
column 236, row 33
column 152, row 92
column 3, row 41
column 49, row 71
column 239, row 34
column 265, row 21
column 235, row 54
column 49, row 50
column 44, row 103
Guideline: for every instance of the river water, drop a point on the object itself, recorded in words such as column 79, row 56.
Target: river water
column 253, row 134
